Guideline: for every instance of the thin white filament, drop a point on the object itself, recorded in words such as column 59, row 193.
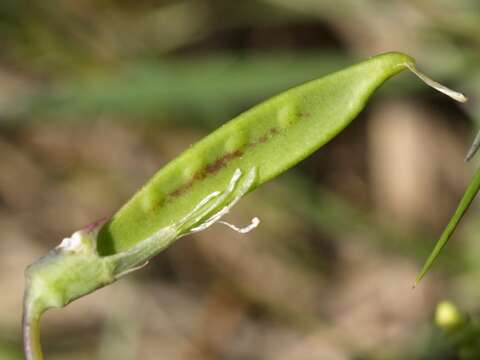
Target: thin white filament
column 455, row 95
column 245, row 229
column 200, row 205
column 220, row 198
column 225, row 210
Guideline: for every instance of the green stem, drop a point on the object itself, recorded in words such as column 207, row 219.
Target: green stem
column 31, row 330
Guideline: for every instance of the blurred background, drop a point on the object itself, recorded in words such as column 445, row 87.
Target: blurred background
column 95, row 96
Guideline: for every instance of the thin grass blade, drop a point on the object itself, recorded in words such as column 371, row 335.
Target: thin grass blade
column 463, row 206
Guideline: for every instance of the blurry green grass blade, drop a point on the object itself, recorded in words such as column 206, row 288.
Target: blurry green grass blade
column 465, row 202
column 200, row 90
column 207, row 88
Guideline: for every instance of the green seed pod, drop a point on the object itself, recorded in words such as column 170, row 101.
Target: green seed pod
column 272, row 137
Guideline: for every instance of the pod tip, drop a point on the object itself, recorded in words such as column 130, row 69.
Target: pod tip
column 455, row 95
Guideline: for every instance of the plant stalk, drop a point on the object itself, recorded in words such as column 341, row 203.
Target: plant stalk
column 31, row 330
